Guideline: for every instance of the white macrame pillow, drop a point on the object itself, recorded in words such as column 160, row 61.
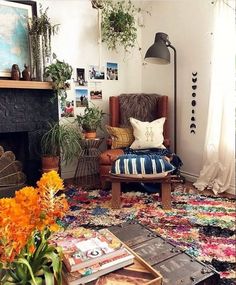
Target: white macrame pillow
column 147, row 134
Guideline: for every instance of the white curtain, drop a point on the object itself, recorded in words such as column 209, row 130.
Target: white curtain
column 219, row 150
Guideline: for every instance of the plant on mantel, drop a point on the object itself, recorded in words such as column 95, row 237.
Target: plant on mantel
column 41, row 30
column 59, row 72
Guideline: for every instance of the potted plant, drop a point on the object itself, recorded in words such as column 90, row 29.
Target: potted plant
column 118, row 24
column 40, row 32
column 59, row 142
column 59, row 72
column 27, row 220
column 90, row 121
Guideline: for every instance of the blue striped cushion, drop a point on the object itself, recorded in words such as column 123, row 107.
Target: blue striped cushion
column 141, row 164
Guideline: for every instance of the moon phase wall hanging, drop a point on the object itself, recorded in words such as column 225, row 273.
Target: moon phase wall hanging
column 193, row 125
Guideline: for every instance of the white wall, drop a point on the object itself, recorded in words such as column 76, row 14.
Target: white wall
column 189, row 25
column 77, row 44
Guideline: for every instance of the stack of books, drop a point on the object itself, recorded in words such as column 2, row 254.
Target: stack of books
column 87, row 257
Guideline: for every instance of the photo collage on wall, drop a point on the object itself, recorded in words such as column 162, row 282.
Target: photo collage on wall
column 88, row 86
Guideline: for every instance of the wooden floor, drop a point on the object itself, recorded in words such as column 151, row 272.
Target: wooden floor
column 185, row 187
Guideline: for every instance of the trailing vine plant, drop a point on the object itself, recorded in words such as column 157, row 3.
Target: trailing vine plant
column 118, row 24
column 59, row 73
column 41, row 27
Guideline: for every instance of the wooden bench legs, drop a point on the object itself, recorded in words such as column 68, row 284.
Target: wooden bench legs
column 165, row 195
column 115, row 192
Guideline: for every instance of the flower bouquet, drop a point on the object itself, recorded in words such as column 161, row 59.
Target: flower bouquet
column 26, row 222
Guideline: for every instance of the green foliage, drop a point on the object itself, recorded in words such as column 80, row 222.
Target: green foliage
column 59, row 72
column 61, row 140
column 41, row 26
column 43, row 266
column 92, row 118
column 118, row 24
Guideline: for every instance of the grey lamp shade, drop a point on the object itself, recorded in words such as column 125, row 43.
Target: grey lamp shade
column 159, row 53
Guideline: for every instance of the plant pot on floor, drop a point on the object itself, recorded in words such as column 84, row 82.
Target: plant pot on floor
column 50, row 163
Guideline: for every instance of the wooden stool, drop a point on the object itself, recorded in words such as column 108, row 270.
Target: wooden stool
column 116, row 188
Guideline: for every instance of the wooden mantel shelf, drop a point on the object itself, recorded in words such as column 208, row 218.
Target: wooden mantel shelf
column 25, row 84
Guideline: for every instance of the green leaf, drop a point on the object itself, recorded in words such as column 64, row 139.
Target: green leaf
column 49, row 276
column 56, row 265
column 39, row 281
column 25, row 262
column 52, row 256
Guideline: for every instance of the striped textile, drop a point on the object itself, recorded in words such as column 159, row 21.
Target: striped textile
column 141, row 164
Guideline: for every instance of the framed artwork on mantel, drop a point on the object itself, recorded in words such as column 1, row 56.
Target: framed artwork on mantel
column 14, row 39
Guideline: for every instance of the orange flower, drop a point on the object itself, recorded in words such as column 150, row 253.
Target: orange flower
column 50, row 181
column 30, row 210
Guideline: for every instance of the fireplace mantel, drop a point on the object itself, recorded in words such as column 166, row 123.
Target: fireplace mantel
column 20, row 84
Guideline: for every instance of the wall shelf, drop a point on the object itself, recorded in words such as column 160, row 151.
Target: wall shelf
column 18, row 84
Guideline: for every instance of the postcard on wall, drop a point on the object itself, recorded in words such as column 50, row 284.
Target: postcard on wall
column 81, row 96
column 80, row 77
column 95, row 94
column 95, row 90
column 96, row 73
column 67, row 109
column 112, row 71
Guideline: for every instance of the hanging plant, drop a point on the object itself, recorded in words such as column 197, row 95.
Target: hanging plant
column 118, row 24
column 41, row 30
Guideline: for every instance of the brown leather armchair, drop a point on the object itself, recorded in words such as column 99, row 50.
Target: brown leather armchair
column 118, row 118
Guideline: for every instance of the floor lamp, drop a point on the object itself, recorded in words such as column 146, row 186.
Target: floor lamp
column 159, row 53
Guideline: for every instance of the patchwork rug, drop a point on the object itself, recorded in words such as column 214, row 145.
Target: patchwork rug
column 203, row 226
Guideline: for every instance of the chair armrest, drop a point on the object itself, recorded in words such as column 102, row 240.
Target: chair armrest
column 166, row 143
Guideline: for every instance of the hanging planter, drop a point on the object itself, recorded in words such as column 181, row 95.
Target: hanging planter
column 118, row 24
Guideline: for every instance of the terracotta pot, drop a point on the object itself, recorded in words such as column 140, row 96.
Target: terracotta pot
column 90, row 135
column 50, row 163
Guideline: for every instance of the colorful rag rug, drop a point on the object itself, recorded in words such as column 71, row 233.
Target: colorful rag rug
column 204, row 226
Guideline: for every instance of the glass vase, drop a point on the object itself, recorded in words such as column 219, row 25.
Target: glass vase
column 36, row 54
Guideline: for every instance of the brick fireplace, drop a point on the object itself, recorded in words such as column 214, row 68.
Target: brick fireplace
column 24, row 113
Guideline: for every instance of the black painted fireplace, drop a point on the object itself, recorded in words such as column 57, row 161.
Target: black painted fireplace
column 24, row 114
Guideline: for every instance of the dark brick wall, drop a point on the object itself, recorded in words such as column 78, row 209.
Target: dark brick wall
column 28, row 111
